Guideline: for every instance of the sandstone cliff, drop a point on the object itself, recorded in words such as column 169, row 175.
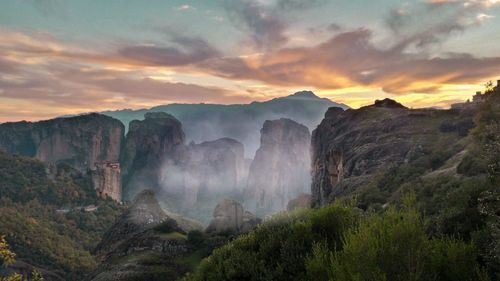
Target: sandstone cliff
column 107, row 180
column 209, row 172
column 80, row 141
column 157, row 140
column 349, row 147
column 215, row 167
column 281, row 168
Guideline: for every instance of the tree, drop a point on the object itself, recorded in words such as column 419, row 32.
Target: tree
column 7, row 257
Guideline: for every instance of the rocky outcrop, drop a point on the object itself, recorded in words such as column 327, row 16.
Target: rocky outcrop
column 143, row 244
column 25, row 269
column 156, row 141
column 242, row 122
column 301, row 201
column 281, row 168
column 230, row 215
column 214, row 167
column 348, row 147
column 80, row 141
column 144, row 213
column 107, row 180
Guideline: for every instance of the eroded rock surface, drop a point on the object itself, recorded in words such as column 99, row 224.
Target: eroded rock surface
column 80, row 141
column 151, row 143
column 281, row 168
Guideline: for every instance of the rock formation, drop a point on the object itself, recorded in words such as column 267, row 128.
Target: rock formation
column 145, row 232
column 230, row 215
column 348, row 147
column 144, row 213
column 242, row 122
column 281, row 168
column 156, row 141
column 25, row 269
column 80, row 141
column 215, row 167
column 107, row 180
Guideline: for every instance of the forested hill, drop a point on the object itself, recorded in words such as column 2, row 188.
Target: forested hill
column 42, row 214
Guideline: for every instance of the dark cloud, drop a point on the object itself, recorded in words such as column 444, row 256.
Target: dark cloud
column 264, row 26
column 431, row 22
column 295, row 5
column 334, row 27
column 188, row 50
column 265, row 23
column 49, row 7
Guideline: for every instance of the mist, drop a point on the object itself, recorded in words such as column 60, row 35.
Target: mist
column 217, row 170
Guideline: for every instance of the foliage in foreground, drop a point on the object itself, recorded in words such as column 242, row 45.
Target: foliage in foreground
column 340, row 243
column 7, row 257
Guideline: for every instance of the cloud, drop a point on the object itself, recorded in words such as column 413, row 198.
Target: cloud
column 351, row 59
column 50, row 7
column 191, row 50
column 45, row 78
column 265, row 23
column 57, row 76
column 185, row 7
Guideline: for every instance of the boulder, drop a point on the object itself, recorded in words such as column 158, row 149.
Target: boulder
column 230, row 215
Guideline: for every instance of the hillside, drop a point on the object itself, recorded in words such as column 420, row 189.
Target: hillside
column 43, row 219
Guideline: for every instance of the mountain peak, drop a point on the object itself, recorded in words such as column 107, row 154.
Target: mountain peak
column 304, row 94
column 388, row 103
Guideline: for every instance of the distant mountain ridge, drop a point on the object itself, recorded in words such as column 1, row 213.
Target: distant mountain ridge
column 206, row 122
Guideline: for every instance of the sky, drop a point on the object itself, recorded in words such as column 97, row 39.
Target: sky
column 67, row 57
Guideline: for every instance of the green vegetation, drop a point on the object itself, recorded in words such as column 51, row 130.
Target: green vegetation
column 60, row 241
column 175, row 234
column 7, row 257
column 278, row 249
column 340, row 242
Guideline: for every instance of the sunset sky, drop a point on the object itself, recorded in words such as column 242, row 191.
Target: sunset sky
column 65, row 57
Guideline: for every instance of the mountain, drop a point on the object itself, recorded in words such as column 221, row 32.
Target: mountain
column 350, row 147
column 242, row 122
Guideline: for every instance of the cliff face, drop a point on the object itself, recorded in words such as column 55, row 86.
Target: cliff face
column 215, row 167
column 209, row 172
column 280, row 169
column 81, row 141
column 107, row 180
column 157, row 140
column 242, row 122
column 348, row 147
